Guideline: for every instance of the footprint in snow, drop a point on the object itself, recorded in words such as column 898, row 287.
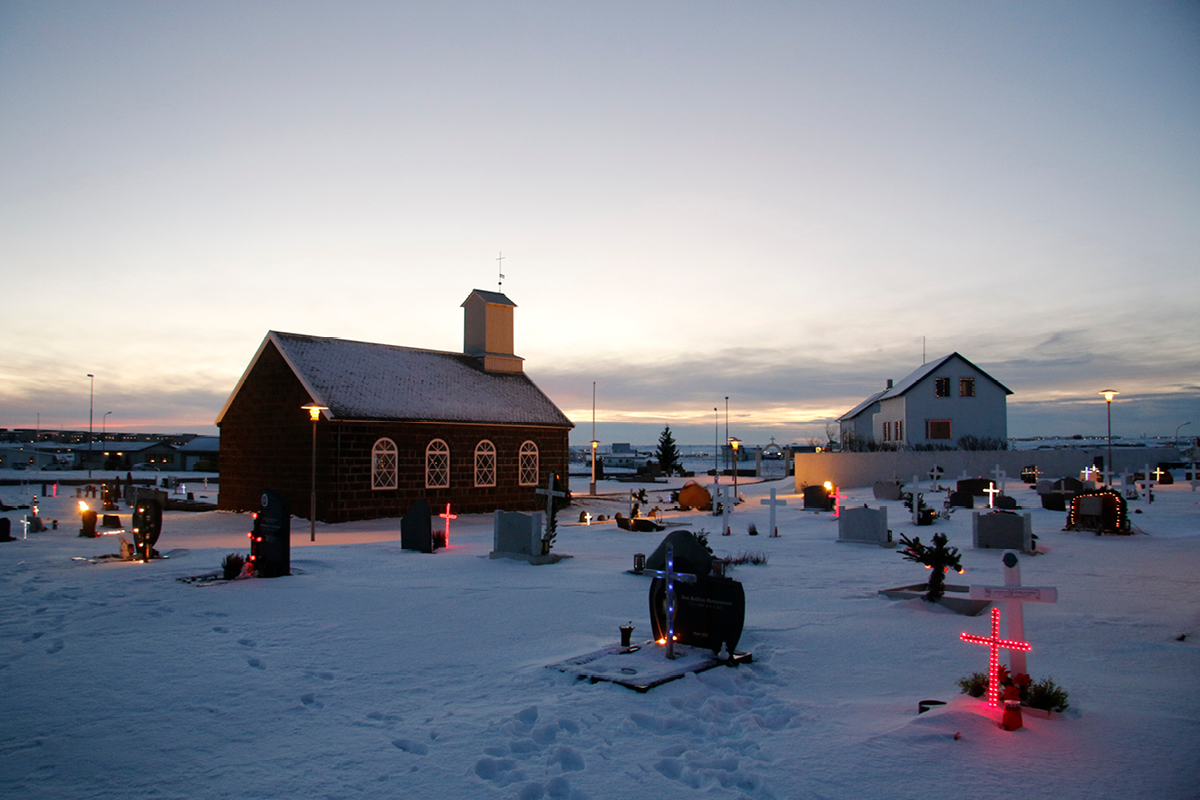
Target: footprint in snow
column 311, row 701
column 219, row 629
column 33, row 637
column 247, row 642
column 55, row 647
column 410, row 746
column 254, row 662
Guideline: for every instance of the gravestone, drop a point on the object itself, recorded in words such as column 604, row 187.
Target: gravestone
column 961, row 500
column 1103, row 512
column 709, row 612
column 416, row 528
column 517, row 535
column 887, row 490
column 147, row 527
column 1005, row 503
column 87, row 521
column 690, row 555
column 816, row 498
column 976, row 486
column 271, row 542
column 865, row 526
column 6, row 530
column 1001, row 530
column 1030, row 474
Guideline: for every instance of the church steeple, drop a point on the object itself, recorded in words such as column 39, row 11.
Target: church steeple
column 488, row 331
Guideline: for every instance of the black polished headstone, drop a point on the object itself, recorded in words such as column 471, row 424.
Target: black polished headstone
column 817, row 498
column 271, row 542
column 962, row 500
column 87, row 521
column 147, row 527
column 416, row 528
column 690, row 557
column 5, row 530
column 708, row 613
column 977, row 487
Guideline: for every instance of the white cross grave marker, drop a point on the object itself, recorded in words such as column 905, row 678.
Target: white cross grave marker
column 587, row 518
column 1147, row 482
column 1014, row 594
column 773, row 503
column 991, row 492
column 726, row 508
column 670, row 576
column 25, row 524
column 1001, row 478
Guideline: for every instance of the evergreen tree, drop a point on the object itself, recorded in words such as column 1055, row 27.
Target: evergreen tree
column 939, row 558
column 668, row 454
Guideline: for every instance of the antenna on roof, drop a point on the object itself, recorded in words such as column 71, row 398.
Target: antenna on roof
column 922, row 347
column 499, row 269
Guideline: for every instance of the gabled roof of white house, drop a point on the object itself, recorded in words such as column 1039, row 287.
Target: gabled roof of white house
column 366, row 381
column 925, row 370
column 861, row 407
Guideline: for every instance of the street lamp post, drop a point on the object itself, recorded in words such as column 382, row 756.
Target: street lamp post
column 716, row 446
column 1176, row 439
column 91, row 407
column 1109, row 394
column 592, row 488
column 314, row 413
column 735, row 442
column 104, row 427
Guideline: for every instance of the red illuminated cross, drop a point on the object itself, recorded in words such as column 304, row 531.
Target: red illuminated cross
column 994, row 643
column 837, row 495
column 448, row 516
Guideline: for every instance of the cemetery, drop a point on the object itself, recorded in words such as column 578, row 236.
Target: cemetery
column 543, row 659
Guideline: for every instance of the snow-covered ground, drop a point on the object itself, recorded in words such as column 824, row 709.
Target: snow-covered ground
column 375, row 672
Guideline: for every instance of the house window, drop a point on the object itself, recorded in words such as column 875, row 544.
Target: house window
column 937, row 429
column 966, row 387
column 437, row 465
column 887, row 431
column 899, row 430
column 941, row 387
column 485, row 464
column 383, row 465
column 528, row 464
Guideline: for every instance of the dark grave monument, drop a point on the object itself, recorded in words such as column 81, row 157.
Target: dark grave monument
column 960, row 500
column 976, row 487
column 1030, row 474
column 110, row 521
column 817, row 498
column 87, row 521
column 6, row 530
column 887, row 490
column 271, row 540
column 416, row 528
column 1001, row 530
column 709, row 612
column 147, row 527
column 1005, row 503
column 1057, row 495
column 691, row 556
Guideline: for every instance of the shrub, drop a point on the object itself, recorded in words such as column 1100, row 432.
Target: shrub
column 231, row 566
column 752, row 529
column 1047, row 695
column 747, row 558
column 974, row 684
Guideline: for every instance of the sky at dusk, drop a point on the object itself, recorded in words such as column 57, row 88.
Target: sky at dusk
column 782, row 203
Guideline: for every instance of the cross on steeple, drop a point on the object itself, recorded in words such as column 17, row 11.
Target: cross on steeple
column 500, row 270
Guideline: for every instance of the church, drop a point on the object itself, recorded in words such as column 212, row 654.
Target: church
column 396, row 424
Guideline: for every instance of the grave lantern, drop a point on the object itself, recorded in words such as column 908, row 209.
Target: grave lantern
column 734, row 442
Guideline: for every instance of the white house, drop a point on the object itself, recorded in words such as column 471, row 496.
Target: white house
column 939, row 403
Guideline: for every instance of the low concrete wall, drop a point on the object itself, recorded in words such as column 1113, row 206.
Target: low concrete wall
column 864, row 469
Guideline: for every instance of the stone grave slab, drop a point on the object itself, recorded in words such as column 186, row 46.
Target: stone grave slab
column 865, row 526
column 416, row 528
column 709, row 612
column 271, row 540
column 1000, row 530
column 642, row 667
column 887, row 490
column 519, row 537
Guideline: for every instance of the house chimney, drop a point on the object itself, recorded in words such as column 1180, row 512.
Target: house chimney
column 889, row 383
column 488, row 331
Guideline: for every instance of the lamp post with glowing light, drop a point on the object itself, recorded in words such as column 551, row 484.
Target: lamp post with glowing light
column 594, row 443
column 1109, row 394
column 314, row 413
column 734, row 442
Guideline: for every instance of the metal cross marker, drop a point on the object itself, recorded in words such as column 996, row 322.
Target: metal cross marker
column 1014, row 594
column 773, row 503
column 991, row 492
column 994, row 643
column 670, row 576
column 448, row 516
column 550, row 493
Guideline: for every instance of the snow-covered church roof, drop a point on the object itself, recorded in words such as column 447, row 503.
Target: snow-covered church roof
column 366, row 381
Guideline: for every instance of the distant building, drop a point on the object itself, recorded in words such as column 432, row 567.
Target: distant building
column 401, row 424
column 939, row 403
